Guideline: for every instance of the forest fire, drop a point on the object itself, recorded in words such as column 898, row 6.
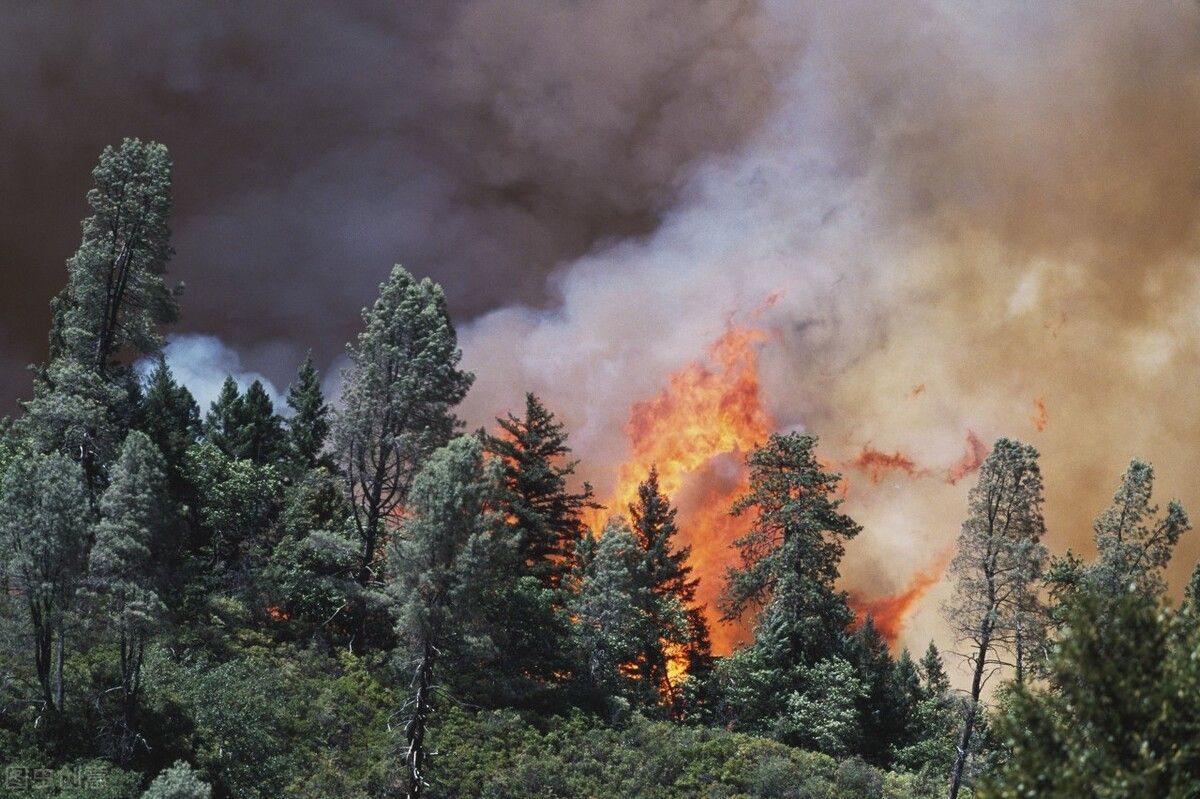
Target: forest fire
column 696, row 432
column 876, row 463
column 889, row 612
column 1039, row 417
column 971, row 460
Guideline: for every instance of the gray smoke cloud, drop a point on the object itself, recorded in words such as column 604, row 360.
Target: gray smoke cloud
column 483, row 142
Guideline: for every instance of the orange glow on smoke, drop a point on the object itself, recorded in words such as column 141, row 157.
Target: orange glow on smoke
column 709, row 415
column 875, row 463
column 889, row 612
column 1039, row 414
column 976, row 453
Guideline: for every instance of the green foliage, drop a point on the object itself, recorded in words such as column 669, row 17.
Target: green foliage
column 1132, row 547
column 309, row 424
column 610, row 621
column 245, row 427
column 180, row 781
column 44, row 518
column 676, row 627
column 790, row 556
column 169, row 415
column 398, row 398
column 115, row 295
column 236, row 500
column 499, row 755
column 1120, row 715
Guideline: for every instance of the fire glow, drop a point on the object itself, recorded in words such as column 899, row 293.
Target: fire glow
column 889, row 612
column 697, row 431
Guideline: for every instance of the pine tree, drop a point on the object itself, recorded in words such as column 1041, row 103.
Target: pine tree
column 547, row 516
column 677, row 627
column 397, row 405
column 171, row 418
column 790, row 556
column 44, row 518
column 881, row 709
column 115, row 295
column 442, row 562
column 611, row 624
column 260, row 435
column 130, row 538
column 309, row 424
column 222, row 423
column 999, row 561
column 1132, row 547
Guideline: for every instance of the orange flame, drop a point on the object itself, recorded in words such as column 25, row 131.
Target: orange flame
column 875, row 463
column 890, row 612
column 277, row 613
column 1039, row 418
column 974, row 456
column 695, row 432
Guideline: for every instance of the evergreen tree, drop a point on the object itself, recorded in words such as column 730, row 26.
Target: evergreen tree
column 129, row 538
column 170, row 416
column 1132, row 547
column 309, row 424
column 222, row 423
column 244, row 426
column 790, row 556
column 260, row 436
column 998, row 564
column 610, row 618
column 547, row 516
column 677, row 630
column 44, row 518
column 450, row 543
column 882, row 705
column 1119, row 714
column 397, row 405
column 115, row 295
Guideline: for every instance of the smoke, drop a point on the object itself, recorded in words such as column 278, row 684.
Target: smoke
column 980, row 221
column 203, row 362
column 483, row 142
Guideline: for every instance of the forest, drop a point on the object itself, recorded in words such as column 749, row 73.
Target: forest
column 355, row 596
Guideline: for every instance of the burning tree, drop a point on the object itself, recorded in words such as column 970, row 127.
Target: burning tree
column 999, row 563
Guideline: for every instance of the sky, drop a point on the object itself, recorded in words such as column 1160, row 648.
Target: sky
column 949, row 220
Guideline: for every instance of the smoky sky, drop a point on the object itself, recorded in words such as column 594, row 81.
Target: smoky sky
column 483, row 143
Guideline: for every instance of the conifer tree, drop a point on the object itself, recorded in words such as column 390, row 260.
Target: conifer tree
column 999, row 562
column 260, row 437
column 677, row 628
column 547, row 516
column 223, row 420
column 450, row 543
column 129, row 538
column 609, row 614
column 1132, row 546
column 397, row 405
column 115, row 295
column 44, row 518
column 309, row 424
column 790, row 556
column 170, row 416
column 881, row 708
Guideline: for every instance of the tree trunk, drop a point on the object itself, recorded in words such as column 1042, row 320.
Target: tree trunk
column 415, row 730
column 59, row 691
column 964, row 739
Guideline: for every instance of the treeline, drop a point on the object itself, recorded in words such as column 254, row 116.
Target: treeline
column 247, row 601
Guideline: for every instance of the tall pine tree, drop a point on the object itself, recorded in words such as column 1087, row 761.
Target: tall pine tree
column 309, row 423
